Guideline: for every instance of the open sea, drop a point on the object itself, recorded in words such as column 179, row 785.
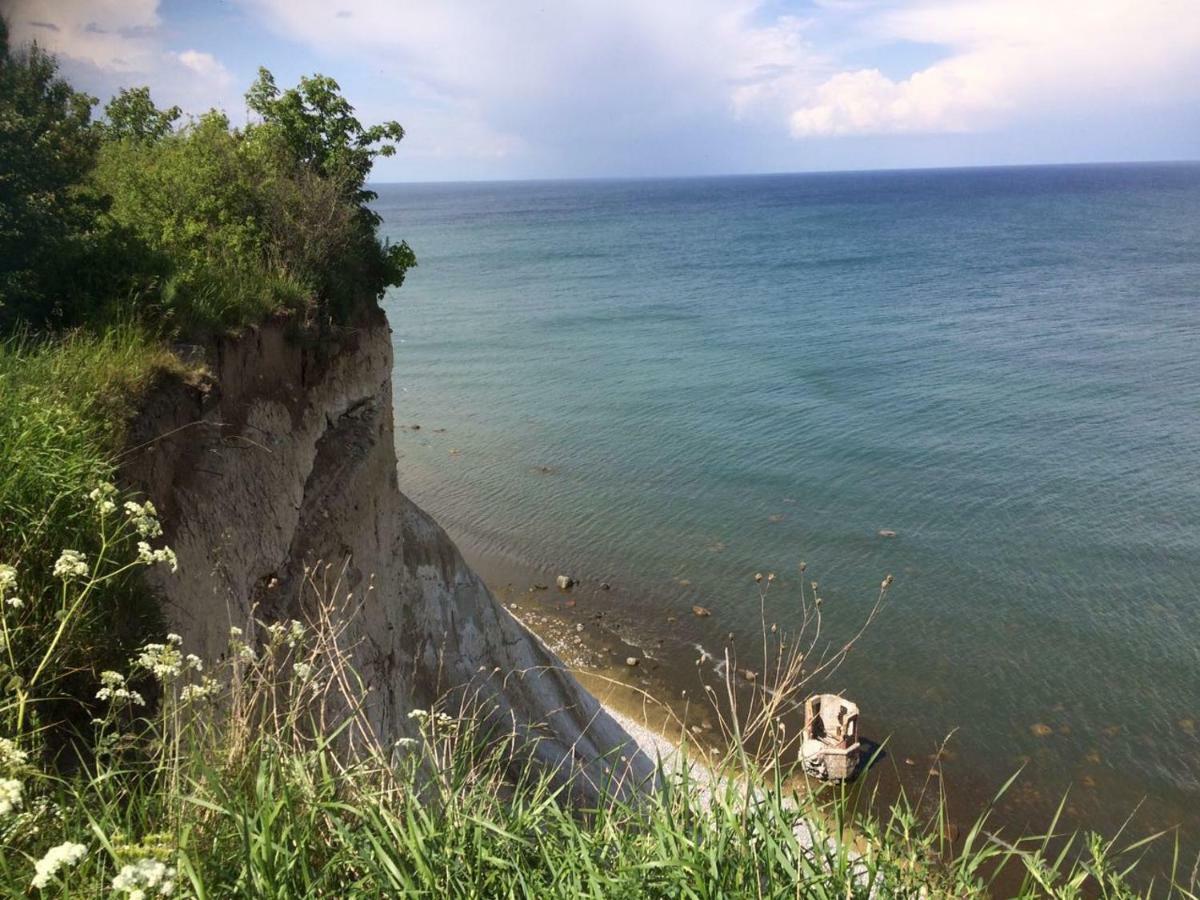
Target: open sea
column 672, row 384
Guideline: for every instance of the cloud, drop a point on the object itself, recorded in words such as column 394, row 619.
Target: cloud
column 572, row 79
column 110, row 44
column 206, row 66
column 1008, row 60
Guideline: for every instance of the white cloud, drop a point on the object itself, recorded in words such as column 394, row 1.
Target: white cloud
column 206, row 66
column 567, row 78
column 1013, row 59
column 109, row 44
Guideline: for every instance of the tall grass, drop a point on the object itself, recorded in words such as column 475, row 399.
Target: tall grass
column 261, row 776
column 64, row 404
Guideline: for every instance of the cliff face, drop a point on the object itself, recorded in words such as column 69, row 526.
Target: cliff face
column 286, row 458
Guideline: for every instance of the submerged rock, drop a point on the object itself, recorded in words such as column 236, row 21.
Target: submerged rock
column 701, row 611
column 886, row 533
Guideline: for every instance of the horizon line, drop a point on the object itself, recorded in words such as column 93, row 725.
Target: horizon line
column 776, row 174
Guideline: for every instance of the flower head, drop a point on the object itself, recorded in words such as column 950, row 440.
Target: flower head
column 144, row 518
column 10, row 795
column 47, row 867
column 114, row 689
column 71, row 564
column 162, row 660
column 102, row 496
column 11, row 756
column 148, row 556
column 145, row 875
column 8, row 578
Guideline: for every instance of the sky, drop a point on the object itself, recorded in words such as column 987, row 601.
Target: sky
column 608, row 88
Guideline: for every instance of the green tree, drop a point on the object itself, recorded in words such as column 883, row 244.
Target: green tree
column 47, row 218
column 314, row 126
column 132, row 115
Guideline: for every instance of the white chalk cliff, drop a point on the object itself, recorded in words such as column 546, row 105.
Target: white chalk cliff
column 284, row 457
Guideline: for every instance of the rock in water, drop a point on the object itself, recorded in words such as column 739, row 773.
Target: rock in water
column 886, row 532
column 565, row 582
column 631, row 661
column 701, row 611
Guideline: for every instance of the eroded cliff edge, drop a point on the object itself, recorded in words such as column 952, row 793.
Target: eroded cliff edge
column 284, row 457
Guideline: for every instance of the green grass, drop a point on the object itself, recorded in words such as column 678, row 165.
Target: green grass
column 272, row 784
column 64, row 404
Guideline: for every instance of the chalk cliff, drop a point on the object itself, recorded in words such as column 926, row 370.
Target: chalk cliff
column 284, row 457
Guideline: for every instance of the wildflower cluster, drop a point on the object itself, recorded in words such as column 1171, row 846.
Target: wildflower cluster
column 114, row 689
column 239, row 649
column 8, row 587
column 438, row 719
column 71, row 564
column 148, row 556
column 10, row 795
column 291, row 633
column 192, row 693
column 166, row 661
column 56, row 858
column 102, row 495
column 147, row 877
column 11, row 756
column 144, row 518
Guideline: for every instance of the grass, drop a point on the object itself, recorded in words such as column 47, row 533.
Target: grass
column 64, row 404
column 260, row 776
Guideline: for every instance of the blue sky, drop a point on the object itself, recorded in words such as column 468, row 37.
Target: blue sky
column 568, row 88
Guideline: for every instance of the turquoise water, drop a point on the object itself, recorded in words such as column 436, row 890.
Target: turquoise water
column 735, row 374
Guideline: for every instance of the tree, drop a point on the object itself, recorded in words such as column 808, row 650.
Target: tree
column 132, row 115
column 320, row 132
column 48, row 145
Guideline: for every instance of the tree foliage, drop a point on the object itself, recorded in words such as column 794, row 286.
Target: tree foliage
column 202, row 228
column 47, row 216
column 132, row 115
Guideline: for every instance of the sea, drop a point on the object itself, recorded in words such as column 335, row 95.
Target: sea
column 984, row 382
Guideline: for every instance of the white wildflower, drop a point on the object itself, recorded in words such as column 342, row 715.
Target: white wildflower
column 11, row 756
column 194, row 662
column 47, row 867
column 163, row 660
column 295, row 633
column 246, row 654
column 145, row 875
column 102, row 496
column 15, row 602
column 10, row 795
column 8, row 578
column 148, row 556
column 303, row 670
column 406, row 742
column 144, row 518
column 234, row 631
column 71, row 564
column 114, row 689
column 175, row 639
column 193, row 693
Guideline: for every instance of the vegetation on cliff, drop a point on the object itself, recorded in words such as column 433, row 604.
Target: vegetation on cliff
column 121, row 235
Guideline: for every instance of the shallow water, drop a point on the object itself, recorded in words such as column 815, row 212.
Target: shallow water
column 665, row 381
